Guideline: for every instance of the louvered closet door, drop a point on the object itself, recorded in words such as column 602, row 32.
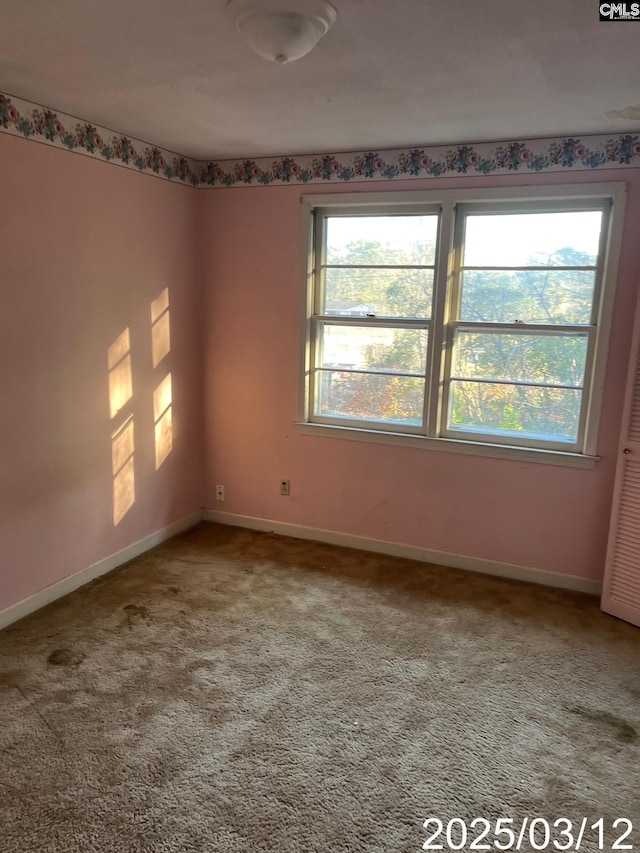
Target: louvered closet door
column 621, row 590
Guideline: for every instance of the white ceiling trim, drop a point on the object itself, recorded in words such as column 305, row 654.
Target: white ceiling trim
column 555, row 154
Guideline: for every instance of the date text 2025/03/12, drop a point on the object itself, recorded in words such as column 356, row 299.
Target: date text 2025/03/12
column 536, row 833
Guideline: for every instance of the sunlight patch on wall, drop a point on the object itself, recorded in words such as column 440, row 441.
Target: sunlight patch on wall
column 120, row 382
column 122, row 438
column 122, row 450
column 162, row 416
column 160, row 327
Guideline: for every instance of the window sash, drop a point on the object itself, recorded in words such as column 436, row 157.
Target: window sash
column 317, row 326
column 464, row 211
column 315, row 416
column 320, row 244
column 494, row 436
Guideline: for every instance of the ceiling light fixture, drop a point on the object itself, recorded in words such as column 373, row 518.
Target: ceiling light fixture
column 282, row 30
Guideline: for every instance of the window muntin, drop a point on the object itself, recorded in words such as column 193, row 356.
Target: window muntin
column 510, row 356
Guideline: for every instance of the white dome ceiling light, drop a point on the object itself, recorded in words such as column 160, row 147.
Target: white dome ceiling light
column 282, row 30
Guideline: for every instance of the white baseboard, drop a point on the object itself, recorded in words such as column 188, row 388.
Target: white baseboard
column 411, row 552
column 298, row 531
column 66, row 585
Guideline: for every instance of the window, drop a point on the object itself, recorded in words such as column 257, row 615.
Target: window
column 461, row 321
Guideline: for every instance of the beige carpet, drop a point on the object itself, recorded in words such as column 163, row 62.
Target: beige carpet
column 238, row 691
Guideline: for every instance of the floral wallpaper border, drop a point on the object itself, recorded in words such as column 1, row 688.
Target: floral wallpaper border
column 23, row 118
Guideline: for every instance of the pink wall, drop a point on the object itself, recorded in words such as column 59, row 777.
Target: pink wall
column 533, row 515
column 85, row 246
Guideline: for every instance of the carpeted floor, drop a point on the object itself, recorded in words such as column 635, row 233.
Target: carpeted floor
column 234, row 691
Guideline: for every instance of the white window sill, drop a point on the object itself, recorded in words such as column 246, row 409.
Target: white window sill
column 449, row 445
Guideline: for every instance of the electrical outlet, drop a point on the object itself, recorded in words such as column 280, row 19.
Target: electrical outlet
column 285, row 487
column 219, row 493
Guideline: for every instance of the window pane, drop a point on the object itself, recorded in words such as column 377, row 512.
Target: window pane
column 532, row 239
column 374, row 240
column 547, row 359
column 540, row 296
column 544, row 414
column 370, row 397
column 378, row 348
column 385, row 293
column 532, row 296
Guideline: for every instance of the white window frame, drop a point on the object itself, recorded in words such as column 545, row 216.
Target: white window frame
column 452, row 205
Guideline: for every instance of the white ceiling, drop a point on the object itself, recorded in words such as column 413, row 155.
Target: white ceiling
column 390, row 73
